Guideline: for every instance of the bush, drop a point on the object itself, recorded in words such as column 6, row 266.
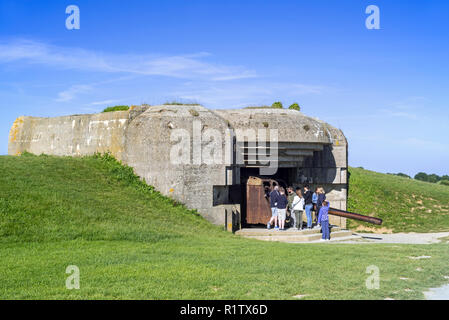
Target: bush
column 432, row 178
column 116, row 108
column 180, row 103
column 295, row 106
column 444, row 182
column 422, row 176
column 277, row 105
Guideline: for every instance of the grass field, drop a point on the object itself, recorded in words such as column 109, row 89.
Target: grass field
column 405, row 205
column 130, row 242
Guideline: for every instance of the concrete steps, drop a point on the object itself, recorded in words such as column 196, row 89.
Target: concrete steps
column 294, row 236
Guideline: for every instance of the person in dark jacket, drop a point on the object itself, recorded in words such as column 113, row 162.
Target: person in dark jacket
column 274, row 195
column 308, row 205
column 319, row 202
column 282, row 208
column 290, row 196
column 323, row 219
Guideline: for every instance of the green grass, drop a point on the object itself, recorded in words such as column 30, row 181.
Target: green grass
column 444, row 239
column 116, row 108
column 130, row 242
column 180, row 103
column 260, row 107
column 405, row 205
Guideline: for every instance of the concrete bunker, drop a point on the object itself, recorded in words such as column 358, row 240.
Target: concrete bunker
column 146, row 138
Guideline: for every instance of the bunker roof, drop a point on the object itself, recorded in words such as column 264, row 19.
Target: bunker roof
column 292, row 125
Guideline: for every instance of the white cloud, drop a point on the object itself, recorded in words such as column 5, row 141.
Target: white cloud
column 409, row 108
column 423, row 144
column 413, row 144
column 301, row 89
column 215, row 94
column 104, row 102
column 212, row 84
column 179, row 66
column 400, row 114
column 72, row 92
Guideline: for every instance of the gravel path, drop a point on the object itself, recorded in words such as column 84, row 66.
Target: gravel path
column 405, row 238
column 441, row 293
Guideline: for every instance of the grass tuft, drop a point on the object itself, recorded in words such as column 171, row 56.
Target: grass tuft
column 180, row 103
column 116, row 108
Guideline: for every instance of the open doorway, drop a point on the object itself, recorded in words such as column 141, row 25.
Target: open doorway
column 284, row 177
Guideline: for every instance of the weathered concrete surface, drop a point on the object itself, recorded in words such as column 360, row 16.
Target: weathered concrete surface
column 144, row 138
column 293, row 125
column 191, row 182
column 70, row 136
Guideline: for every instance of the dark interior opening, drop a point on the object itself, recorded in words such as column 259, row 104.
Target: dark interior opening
column 285, row 176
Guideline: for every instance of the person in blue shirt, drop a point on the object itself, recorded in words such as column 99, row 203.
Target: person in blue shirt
column 323, row 219
column 314, row 200
column 319, row 202
column 274, row 195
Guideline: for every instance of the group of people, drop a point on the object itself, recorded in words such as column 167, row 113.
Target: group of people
column 294, row 203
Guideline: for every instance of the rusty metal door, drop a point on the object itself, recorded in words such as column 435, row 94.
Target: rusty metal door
column 258, row 209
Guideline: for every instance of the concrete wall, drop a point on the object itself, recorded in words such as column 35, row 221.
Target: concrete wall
column 70, row 136
column 191, row 183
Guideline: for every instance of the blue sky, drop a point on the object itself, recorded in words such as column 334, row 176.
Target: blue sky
column 387, row 89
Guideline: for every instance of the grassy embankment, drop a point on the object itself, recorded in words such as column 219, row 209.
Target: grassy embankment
column 130, row 242
column 405, row 205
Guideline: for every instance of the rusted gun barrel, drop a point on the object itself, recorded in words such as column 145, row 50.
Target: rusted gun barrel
column 355, row 216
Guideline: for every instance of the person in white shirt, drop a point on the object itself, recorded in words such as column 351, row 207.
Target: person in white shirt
column 298, row 208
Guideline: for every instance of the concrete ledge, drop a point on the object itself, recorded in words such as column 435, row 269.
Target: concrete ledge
column 299, row 237
column 292, row 236
column 251, row 232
